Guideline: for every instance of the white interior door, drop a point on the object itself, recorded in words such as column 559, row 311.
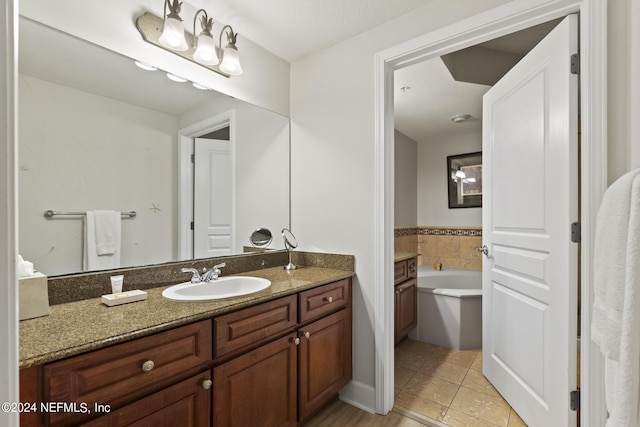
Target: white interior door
column 213, row 198
column 529, row 202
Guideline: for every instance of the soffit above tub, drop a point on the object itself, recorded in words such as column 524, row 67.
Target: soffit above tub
column 432, row 96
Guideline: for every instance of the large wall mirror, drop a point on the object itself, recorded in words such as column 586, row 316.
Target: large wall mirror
column 96, row 132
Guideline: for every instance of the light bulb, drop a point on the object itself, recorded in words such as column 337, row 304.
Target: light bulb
column 173, row 34
column 231, row 62
column 206, row 51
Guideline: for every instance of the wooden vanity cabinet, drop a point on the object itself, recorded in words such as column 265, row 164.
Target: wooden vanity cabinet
column 272, row 364
column 284, row 382
column 406, row 297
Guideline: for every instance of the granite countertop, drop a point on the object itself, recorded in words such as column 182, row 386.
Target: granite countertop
column 403, row 256
column 81, row 326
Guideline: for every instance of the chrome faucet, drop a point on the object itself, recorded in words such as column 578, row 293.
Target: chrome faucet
column 195, row 276
column 212, row 273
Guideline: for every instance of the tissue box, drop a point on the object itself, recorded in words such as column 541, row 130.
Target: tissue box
column 34, row 296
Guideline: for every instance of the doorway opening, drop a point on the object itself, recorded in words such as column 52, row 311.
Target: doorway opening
column 438, row 121
column 500, row 21
column 222, row 126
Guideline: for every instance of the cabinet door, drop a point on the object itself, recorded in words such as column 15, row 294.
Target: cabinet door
column 187, row 403
column 258, row 388
column 406, row 315
column 325, row 361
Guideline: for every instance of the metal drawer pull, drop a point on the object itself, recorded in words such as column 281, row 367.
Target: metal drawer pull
column 148, row 365
column 329, row 299
column 206, row 384
column 307, row 335
column 296, row 341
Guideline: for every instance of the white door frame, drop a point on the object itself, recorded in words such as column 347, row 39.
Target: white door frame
column 9, row 357
column 185, row 174
column 513, row 16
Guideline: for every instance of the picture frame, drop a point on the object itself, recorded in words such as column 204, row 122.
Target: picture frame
column 464, row 180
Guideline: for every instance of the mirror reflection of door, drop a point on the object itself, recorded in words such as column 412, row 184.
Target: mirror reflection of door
column 213, row 195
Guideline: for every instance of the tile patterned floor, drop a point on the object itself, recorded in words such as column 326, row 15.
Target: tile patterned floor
column 447, row 386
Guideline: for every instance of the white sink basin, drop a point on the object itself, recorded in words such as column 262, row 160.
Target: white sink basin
column 224, row 287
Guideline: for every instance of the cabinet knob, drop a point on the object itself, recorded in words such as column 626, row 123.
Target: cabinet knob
column 148, row 365
column 307, row 335
column 329, row 299
column 206, row 384
column 296, row 341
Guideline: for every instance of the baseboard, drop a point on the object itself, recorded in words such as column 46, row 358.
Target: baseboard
column 360, row 395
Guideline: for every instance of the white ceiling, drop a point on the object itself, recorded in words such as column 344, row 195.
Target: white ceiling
column 293, row 29
column 424, row 109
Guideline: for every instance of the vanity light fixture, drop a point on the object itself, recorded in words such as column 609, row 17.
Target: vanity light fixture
column 199, row 86
column 145, row 66
column 173, row 30
column 230, row 63
column 168, row 33
column 459, row 118
column 205, row 46
column 176, row 78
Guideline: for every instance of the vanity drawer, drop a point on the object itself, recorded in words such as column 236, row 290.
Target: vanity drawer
column 125, row 372
column 400, row 272
column 403, row 270
column 254, row 325
column 323, row 300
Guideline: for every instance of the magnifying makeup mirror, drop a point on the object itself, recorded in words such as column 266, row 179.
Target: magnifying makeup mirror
column 261, row 238
column 290, row 243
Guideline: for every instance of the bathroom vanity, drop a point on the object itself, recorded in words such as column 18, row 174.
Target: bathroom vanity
column 406, row 295
column 271, row 358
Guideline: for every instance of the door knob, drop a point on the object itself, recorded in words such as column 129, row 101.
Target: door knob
column 484, row 250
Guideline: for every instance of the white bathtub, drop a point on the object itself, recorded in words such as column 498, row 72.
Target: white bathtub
column 449, row 308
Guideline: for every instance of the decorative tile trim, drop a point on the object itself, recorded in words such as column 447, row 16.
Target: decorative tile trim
column 438, row 231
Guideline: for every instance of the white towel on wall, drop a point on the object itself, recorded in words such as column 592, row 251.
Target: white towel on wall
column 102, row 240
column 616, row 312
column 609, row 265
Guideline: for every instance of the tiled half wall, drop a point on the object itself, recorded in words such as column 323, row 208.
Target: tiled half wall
column 454, row 247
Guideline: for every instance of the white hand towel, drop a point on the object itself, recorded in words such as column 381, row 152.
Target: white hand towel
column 609, row 265
column 616, row 312
column 107, row 232
column 91, row 259
column 625, row 404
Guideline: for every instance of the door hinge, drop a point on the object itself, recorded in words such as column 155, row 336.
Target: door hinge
column 193, row 158
column 574, row 398
column 576, row 232
column 192, row 225
column 575, row 63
